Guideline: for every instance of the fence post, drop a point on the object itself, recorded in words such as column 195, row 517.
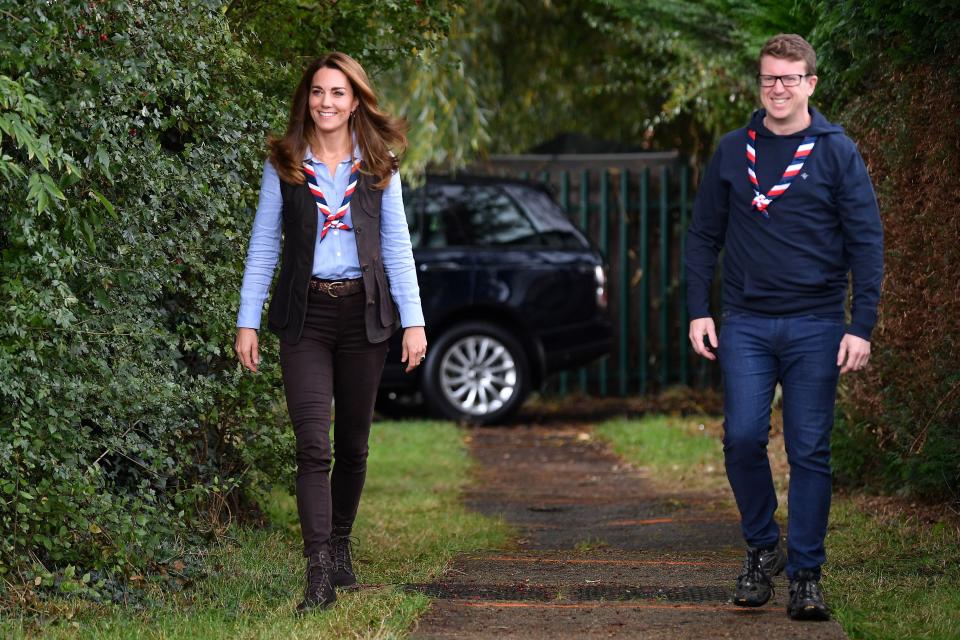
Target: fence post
column 624, row 279
column 644, row 276
column 664, row 349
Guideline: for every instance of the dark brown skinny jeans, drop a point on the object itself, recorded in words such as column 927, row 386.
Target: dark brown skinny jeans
column 332, row 360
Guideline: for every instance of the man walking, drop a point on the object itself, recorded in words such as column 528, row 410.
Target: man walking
column 789, row 198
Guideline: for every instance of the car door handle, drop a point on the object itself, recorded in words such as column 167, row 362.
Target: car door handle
column 440, row 266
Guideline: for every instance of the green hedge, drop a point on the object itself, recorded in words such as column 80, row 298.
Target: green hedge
column 131, row 151
column 890, row 70
column 900, row 418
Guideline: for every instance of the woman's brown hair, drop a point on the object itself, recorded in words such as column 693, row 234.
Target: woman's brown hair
column 378, row 134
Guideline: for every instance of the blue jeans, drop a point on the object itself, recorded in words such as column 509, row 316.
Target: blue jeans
column 800, row 353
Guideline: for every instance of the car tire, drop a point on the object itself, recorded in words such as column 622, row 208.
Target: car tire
column 476, row 373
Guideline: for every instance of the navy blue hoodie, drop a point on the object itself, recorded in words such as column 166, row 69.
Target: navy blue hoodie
column 796, row 261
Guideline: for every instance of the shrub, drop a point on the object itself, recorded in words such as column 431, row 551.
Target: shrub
column 891, row 70
column 131, row 150
column 901, row 416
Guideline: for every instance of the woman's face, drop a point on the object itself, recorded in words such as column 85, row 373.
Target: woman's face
column 331, row 100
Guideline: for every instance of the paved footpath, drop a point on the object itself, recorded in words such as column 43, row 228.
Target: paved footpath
column 602, row 553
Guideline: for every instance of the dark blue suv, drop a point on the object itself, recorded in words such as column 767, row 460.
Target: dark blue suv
column 511, row 292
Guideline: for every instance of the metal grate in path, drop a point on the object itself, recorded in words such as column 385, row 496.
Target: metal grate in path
column 453, row 591
column 670, row 594
column 577, row 593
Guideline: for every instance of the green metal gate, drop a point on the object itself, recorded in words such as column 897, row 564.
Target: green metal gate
column 635, row 209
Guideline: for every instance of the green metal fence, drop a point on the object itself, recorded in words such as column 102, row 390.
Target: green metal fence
column 637, row 217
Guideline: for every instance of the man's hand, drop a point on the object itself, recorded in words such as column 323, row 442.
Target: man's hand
column 247, row 348
column 854, row 353
column 414, row 347
column 698, row 329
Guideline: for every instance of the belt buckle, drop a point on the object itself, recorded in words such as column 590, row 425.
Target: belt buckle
column 331, row 286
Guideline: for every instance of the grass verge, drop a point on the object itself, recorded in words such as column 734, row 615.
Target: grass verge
column 411, row 523
column 679, row 450
column 891, row 572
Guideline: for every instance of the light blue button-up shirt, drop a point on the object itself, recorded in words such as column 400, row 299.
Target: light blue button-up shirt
column 335, row 258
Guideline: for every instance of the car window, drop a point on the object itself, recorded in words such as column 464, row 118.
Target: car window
column 473, row 215
column 552, row 225
column 430, row 227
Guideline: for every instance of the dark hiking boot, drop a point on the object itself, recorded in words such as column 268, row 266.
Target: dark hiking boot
column 343, row 575
column 806, row 598
column 755, row 582
column 319, row 594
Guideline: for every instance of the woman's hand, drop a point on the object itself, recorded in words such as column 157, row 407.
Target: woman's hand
column 247, row 348
column 414, row 347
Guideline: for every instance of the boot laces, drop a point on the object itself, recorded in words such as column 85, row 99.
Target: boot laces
column 808, row 590
column 752, row 572
column 318, row 575
column 341, row 551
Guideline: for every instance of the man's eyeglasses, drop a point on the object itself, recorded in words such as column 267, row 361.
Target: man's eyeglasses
column 792, row 80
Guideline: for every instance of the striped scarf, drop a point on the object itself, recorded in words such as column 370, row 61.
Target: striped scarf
column 761, row 201
column 331, row 219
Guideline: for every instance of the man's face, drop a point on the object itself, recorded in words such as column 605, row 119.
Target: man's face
column 786, row 105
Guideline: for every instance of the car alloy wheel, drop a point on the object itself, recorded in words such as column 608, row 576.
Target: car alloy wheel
column 477, row 373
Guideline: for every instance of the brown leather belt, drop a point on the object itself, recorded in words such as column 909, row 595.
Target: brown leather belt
column 337, row 288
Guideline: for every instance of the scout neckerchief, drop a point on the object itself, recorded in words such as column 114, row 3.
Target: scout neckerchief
column 760, row 201
column 332, row 219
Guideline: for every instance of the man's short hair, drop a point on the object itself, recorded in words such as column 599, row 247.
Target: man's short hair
column 790, row 46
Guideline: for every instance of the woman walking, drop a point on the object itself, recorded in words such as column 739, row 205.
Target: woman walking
column 347, row 281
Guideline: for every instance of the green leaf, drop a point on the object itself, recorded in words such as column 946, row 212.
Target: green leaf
column 51, row 187
column 106, row 203
column 88, row 235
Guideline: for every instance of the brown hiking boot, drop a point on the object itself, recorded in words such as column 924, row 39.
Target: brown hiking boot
column 319, row 593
